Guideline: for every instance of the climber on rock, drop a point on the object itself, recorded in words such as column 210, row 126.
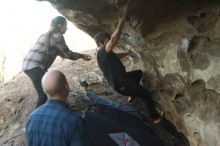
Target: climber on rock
column 125, row 83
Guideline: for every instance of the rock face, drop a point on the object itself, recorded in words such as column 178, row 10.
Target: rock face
column 178, row 43
column 2, row 61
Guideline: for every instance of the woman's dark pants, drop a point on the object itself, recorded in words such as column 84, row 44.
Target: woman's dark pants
column 36, row 75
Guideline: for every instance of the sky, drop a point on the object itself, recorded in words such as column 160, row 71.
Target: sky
column 29, row 19
column 22, row 21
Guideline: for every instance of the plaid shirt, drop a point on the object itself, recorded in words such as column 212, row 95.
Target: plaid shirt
column 53, row 124
column 45, row 51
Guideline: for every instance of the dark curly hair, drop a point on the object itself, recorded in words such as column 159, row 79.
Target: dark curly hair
column 58, row 20
column 101, row 37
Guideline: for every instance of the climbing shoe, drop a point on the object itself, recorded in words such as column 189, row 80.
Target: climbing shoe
column 157, row 121
column 130, row 99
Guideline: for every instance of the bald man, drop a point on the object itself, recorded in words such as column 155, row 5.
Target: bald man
column 53, row 124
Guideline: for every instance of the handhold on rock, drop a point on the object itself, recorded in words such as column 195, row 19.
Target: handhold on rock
column 132, row 20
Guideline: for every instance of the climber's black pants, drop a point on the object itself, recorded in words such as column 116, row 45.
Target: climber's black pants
column 36, row 75
column 128, row 85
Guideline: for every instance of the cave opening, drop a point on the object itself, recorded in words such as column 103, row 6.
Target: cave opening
column 22, row 24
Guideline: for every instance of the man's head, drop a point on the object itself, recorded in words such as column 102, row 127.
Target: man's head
column 59, row 23
column 102, row 38
column 55, row 85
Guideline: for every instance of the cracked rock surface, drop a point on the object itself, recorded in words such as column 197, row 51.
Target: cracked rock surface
column 177, row 44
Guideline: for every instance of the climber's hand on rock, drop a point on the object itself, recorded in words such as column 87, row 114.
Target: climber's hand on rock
column 122, row 19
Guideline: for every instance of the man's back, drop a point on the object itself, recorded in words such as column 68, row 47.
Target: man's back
column 53, row 124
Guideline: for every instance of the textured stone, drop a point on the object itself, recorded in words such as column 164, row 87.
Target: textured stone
column 214, row 83
column 2, row 121
column 177, row 43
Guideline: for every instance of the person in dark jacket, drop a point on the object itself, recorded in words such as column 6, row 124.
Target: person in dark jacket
column 48, row 46
column 125, row 83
